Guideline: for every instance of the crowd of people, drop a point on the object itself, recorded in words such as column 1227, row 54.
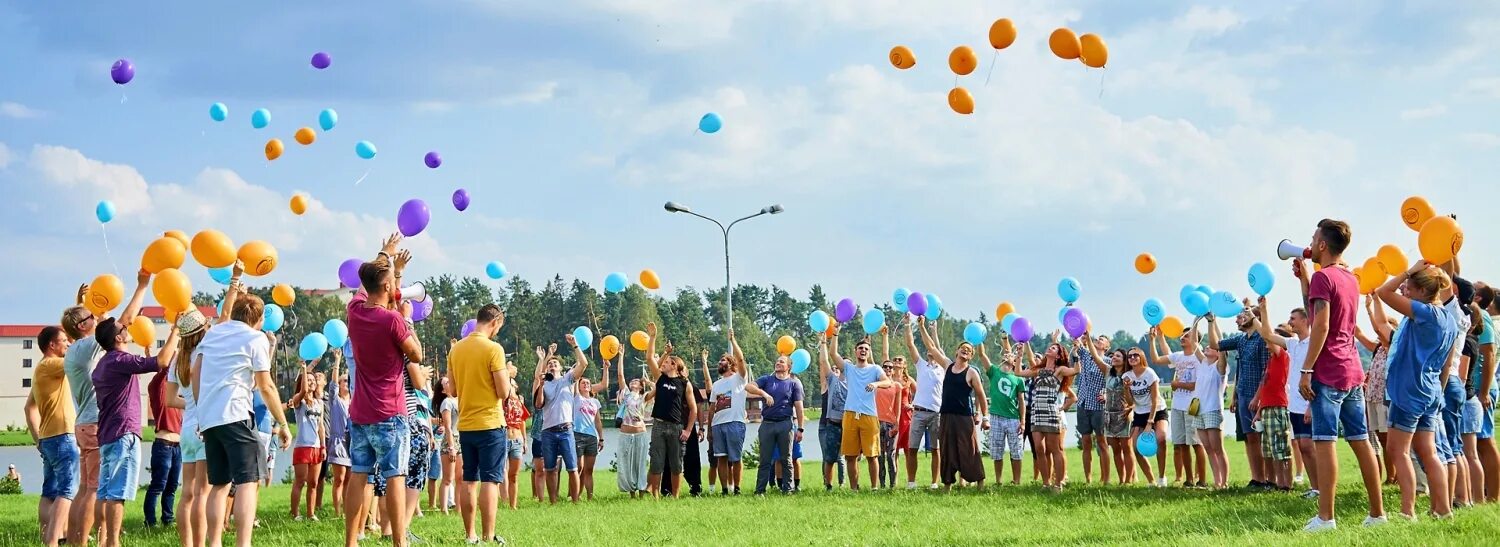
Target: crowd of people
column 1418, row 414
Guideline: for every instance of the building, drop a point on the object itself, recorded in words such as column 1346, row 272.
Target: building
column 19, row 355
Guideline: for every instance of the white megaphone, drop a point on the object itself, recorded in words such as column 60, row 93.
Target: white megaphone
column 1288, row 250
column 415, row 293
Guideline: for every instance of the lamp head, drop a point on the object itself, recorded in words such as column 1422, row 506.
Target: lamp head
column 674, row 207
column 774, row 209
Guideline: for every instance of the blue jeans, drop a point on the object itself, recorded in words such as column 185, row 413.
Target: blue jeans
column 381, row 449
column 59, row 466
column 166, row 467
column 119, row 469
column 1453, row 412
column 559, row 444
column 1332, row 408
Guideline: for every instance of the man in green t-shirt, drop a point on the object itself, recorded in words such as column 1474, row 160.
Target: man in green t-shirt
column 1007, row 406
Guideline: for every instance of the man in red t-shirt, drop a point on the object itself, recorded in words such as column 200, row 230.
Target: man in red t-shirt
column 166, row 454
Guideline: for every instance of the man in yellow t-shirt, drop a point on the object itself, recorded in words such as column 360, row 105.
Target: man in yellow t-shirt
column 50, row 416
column 479, row 379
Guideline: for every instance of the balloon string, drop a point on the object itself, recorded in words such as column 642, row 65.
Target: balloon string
column 122, row 98
column 107, row 252
column 1101, row 83
column 362, row 177
column 992, row 68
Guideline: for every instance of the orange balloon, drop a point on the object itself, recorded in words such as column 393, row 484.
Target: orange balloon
column 1374, row 275
column 165, row 252
column 306, row 136
column 903, row 58
column 786, row 345
column 105, row 292
column 962, row 60
column 1171, row 326
column 142, row 332
column 283, row 295
column 1092, row 50
column 299, row 204
column 640, row 341
column 259, row 257
column 1064, row 44
column 1145, row 263
column 172, row 290
column 1439, row 240
column 961, row 101
column 609, row 347
column 1392, row 259
column 178, row 235
column 649, row 280
column 273, row 149
column 1004, row 309
column 212, row 249
column 1359, row 279
column 833, row 328
column 1415, row 212
column 1002, row 33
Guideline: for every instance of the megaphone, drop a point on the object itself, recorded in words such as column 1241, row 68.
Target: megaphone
column 415, row 292
column 1288, row 250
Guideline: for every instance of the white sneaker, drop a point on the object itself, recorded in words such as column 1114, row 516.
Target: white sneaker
column 1310, row 494
column 1319, row 525
column 1375, row 521
column 1161, row 482
column 297, row 518
column 934, row 486
column 1299, row 479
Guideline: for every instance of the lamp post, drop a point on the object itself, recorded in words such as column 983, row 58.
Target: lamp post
column 674, row 207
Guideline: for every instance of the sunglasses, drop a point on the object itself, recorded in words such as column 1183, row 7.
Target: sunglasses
column 1135, row 356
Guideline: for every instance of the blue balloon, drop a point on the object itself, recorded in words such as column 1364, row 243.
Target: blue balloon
column 327, row 119
column 104, row 211
column 975, row 333
column 818, row 321
column 1153, row 311
column 495, row 270
column 365, row 149
column 710, row 123
column 934, row 307
column 336, row 332
column 1196, row 304
column 221, row 275
column 313, row 346
column 1146, row 444
column 273, row 318
column 1206, row 290
column 615, row 282
column 260, row 118
column 1062, row 312
column 899, row 299
column 1262, row 280
column 584, row 337
column 874, row 319
column 1182, row 295
column 800, row 360
column 1224, row 304
column 219, row 308
column 218, row 112
column 1007, row 320
column 1068, row 290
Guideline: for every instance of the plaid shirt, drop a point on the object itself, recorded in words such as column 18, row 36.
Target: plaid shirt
column 1250, row 368
column 1090, row 380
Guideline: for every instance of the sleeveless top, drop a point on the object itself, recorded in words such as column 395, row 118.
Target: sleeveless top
column 1046, row 402
column 956, row 393
column 1114, row 395
column 634, row 405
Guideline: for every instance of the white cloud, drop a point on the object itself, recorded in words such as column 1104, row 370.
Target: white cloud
column 1480, row 140
column 1431, row 111
column 1213, row 21
column 539, row 93
column 4, row 155
column 18, row 111
column 1488, row 87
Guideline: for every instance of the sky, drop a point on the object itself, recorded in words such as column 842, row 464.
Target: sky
column 1215, row 131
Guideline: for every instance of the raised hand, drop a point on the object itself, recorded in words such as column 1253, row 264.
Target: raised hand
column 142, row 277
column 651, row 329
column 571, row 341
column 389, row 245
column 402, row 259
column 540, row 354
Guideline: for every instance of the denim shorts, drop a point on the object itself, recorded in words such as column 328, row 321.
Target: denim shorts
column 831, row 439
column 559, row 445
column 1447, row 451
column 483, row 455
column 1412, row 422
column 435, row 463
column 1487, row 419
column 1301, row 427
column 380, row 449
column 729, row 441
column 119, row 469
column 59, row 466
column 1453, row 411
column 1469, row 422
column 1332, row 408
column 513, row 449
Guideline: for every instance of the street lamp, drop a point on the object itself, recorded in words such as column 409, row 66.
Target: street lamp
column 674, row 207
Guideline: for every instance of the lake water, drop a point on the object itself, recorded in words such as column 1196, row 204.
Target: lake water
column 29, row 463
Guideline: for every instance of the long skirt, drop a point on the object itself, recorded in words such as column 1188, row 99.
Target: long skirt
column 632, row 461
column 960, row 452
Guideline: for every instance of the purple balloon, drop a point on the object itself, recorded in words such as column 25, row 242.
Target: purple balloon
column 321, row 60
column 844, row 311
column 349, row 273
column 413, row 217
column 432, row 159
column 122, row 72
column 421, row 309
column 1075, row 322
column 1020, row 329
column 916, row 303
column 468, row 328
column 460, row 199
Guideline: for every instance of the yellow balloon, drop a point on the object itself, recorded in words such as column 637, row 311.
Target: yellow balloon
column 165, row 252
column 961, row 101
column 640, row 341
column 178, row 235
column 786, row 345
column 259, row 257
column 650, row 280
column 172, row 290
column 609, row 347
column 1392, row 259
column 1005, row 308
column 299, row 204
column 1359, row 278
column 1440, row 240
column 1415, row 211
column 962, row 60
column 305, row 136
column 1092, row 50
column 1171, row 326
column 1373, row 275
column 212, row 249
column 105, row 292
column 283, row 295
column 903, row 58
column 1145, row 263
column 1002, row 33
column 273, row 149
column 1064, row 44
column 142, row 332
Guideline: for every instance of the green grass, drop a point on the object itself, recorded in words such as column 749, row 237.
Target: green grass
column 998, row 515
column 21, row 437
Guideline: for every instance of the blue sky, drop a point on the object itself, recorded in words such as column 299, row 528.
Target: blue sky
column 1220, row 130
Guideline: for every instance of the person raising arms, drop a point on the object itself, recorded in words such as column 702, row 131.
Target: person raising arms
column 588, row 428
column 1185, row 364
column 956, row 432
column 1007, row 409
column 674, row 409
column 634, row 440
column 861, row 425
column 1377, row 404
column 925, row 403
column 558, row 402
column 1048, row 375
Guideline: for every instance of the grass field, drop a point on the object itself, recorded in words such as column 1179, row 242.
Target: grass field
column 21, row 437
column 998, row 515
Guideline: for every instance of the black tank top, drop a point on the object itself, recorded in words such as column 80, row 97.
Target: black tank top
column 956, row 393
column 671, row 399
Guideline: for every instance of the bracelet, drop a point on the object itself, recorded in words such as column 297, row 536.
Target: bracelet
column 1307, row 371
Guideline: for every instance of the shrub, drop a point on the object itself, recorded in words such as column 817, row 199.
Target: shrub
column 9, row 486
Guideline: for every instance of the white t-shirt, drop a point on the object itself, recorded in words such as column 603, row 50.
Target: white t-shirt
column 189, row 406
column 1210, row 388
column 1184, row 369
column 232, row 353
column 1296, row 349
column 1140, row 388
column 929, row 386
column 728, row 398
column 1461, row 315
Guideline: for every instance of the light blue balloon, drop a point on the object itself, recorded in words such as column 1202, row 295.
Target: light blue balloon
column 1206, row 290
column 1196, row 304
column 365, row 149
column 327, row 119
column 1224, row 304
column 874, row 319
column 615, row 282
column 800, row 360
column 313, row 346
column 1146, row 444
column 219, row 308
column 1153, row 311
column 899, row 299
column 336, row 332
column 104, row 211
column 260, row 118
column 495, row 270
column 934, row 307
column 221, row 275
column 710, row 123
column 1262, row 280
column 273, row 318
column 818, row 321
column 584, row 337
column 975, row 333
column 218, row 112
column 1007, row 320
column 1182, row 295
column 1068, row 290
